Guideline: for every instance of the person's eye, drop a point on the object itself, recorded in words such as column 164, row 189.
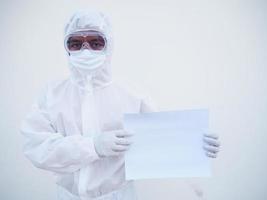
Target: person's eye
column 75, row 45
column 97, row 44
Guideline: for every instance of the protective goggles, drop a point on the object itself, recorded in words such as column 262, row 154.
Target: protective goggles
column 92, row 40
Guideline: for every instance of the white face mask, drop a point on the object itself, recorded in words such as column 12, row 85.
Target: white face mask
column 87, row 60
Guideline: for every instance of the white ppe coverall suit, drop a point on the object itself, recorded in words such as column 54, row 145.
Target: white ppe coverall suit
column 60, row 127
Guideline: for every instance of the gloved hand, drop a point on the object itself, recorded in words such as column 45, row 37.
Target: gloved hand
column 112, row 143
column 211, row 144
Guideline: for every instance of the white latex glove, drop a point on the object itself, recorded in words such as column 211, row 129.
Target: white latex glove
column 112, row 143
column 211, row 144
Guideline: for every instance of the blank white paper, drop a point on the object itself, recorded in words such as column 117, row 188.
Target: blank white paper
column 167, row 145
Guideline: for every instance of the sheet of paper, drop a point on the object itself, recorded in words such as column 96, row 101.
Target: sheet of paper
column 167, row 145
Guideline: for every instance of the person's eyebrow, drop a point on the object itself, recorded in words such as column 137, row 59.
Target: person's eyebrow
column 74, row 40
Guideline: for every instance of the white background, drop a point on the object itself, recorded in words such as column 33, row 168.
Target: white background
column 186, row 54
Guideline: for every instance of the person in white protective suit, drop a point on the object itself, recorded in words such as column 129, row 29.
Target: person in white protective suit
column 75, row 127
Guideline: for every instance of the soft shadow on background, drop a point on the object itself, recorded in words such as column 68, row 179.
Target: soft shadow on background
column 186, row 54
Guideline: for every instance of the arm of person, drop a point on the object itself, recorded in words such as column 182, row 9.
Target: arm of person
column 51, row 150
column 148, row 105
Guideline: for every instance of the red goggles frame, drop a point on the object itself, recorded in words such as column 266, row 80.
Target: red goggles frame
column 92, row 40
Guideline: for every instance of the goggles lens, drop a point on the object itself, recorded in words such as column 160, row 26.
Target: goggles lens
column 93, row 40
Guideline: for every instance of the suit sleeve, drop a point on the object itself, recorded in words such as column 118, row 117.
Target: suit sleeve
column 148, row 105
column 51, row 150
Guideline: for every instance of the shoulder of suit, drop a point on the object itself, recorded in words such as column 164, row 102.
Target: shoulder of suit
column 130, row 89
column 57, row 84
